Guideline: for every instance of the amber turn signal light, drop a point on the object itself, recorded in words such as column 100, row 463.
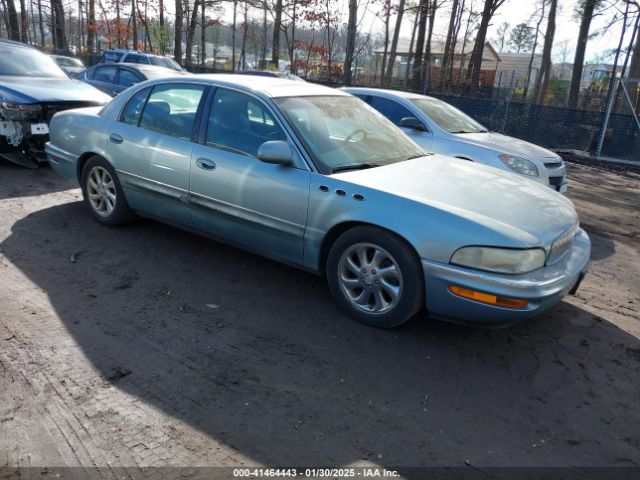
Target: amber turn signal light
column 487, row 298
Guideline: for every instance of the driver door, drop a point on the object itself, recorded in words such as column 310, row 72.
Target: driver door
column 235, row 196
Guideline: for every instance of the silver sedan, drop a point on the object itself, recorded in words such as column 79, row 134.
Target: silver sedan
column 439, row 127
column 315, row 178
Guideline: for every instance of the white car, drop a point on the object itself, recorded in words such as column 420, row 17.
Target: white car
column 72, row 66
column 438, row 127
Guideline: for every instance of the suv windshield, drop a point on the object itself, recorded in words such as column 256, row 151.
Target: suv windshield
column 343, row 133
column 27, row 62
column 447, row 117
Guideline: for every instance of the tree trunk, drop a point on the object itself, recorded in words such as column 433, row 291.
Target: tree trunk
column 387, row 15
column 542, row 81
column 275, row 42
column 14, row 28
column 533, row 52
column 292, row 46
column 405, row 81
column 578, row 61
column 177, row 49
column 351, row 41
column 243, row 48
column 24, row 24
column 134, row 25
column 448, row 46
column 475, row 62
column 394, row 43
column 58, row 27
column 263, row 53
column 203, row 39
column 118, row 23
column 233, row 36
column 427, row 50
column 191, row 31
column 423, row 8
column 91, row 27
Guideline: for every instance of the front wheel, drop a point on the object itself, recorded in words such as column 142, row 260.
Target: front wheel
column 375, row 277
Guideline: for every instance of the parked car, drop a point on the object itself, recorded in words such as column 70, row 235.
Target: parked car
column 269, row 73
column 119, row 55
column 315, row 178
column 72, row 66
column 113, row 79
column 439, row 127
column 32, row 89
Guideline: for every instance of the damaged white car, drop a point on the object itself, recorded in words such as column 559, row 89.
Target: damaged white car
column 32, row 89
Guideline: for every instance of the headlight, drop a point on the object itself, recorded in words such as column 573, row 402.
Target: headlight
column 519, row 165
column 19, row 111
column 500, row 260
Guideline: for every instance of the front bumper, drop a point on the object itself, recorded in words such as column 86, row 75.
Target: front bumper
column 542, row 288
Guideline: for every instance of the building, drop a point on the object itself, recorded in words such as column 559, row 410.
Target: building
column 513, row 70
column 461, row 57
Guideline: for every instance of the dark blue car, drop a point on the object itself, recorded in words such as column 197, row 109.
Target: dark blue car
column 32, row 89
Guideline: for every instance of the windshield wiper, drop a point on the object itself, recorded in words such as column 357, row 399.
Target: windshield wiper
column 353, row 166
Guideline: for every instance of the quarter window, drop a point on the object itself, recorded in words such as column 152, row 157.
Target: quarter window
column 390, row 109
column 171, row 110
column 133, row 109
column 240, row 124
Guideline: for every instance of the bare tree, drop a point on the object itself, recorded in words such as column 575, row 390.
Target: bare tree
column 542, row 80
column 394, row 43
column 351, row 40
column 14, row 28
column 275, row 41
column 24, row 25
column 475, row 62
column 587, row 10
column 177, row 49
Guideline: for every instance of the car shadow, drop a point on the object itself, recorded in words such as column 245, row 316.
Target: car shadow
column 18, row 181
column 255, row 355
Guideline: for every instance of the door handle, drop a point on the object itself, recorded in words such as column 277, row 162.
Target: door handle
column 115, row 138
column 205, row 163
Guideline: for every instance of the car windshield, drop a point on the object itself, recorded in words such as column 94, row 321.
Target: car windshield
column 27, row 62
column 342, row 133
column 165, row 62
column 447, row 117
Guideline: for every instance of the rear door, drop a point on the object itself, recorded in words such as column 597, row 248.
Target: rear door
column 105, row 78
column 128, row 77
column 237, row 197
column 151, row 145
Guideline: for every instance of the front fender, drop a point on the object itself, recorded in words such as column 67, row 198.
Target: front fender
column 434, row 233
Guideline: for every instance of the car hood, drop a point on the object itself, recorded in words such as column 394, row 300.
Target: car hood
column 531, row 214
column 40, row 90
column 505, row 144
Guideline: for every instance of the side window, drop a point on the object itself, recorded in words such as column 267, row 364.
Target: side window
column 240, row 124
column 132, row 111
column 128, row 77
column 364, row 98
column 171, row 109
column 105, row 74
column 390, row 109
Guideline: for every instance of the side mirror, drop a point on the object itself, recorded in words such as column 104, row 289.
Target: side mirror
column 277, row 152
column 413, row 123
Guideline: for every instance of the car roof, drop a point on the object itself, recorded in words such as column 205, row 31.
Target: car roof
column 272, row 87
column 384, row 92
column 143, row 67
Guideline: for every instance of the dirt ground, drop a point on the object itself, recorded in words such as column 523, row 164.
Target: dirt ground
column 146, row 346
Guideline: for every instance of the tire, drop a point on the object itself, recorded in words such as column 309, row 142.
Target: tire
column 103, row 193
column 375, row 277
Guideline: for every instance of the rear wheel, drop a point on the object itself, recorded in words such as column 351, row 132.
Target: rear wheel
column 375, row 277
column 103, row 194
